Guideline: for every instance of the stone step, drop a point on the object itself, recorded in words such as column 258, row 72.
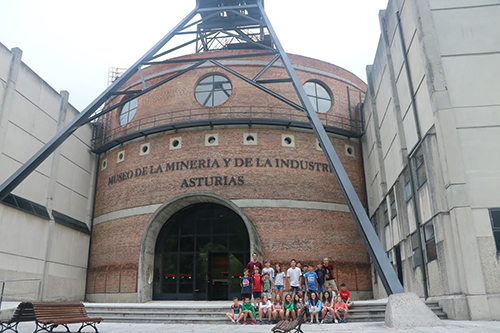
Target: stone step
column 214, row 312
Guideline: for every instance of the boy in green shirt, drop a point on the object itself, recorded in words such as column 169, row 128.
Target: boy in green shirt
column 248, row 310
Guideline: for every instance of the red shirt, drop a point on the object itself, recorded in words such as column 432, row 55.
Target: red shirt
column 252, row 264
column 329, row 271
column 345, row 294
column 257, row 283
column 341, row 305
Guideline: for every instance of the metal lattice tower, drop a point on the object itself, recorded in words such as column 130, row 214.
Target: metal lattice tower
column 216, row 25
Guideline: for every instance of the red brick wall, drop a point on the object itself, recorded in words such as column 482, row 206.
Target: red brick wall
column 287, row 183
column 308, row 235
column 178, row 94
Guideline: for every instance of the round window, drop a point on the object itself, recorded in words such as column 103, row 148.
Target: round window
column 319, row 96
column 213, row 90
column 127, row 112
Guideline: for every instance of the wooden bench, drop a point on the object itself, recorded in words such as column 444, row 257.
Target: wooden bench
column 50, row 315
column 285, row 326
column 24, row 312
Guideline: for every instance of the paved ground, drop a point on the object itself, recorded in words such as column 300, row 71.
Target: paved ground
column 450, row 327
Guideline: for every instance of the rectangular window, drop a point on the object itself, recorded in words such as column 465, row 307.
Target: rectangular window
column 386, row 214
column 495, row 224
column 392, row 205
column 415, row 247
column 430, row 242
column 374, row 222
column 420, row 168
column 408, row 188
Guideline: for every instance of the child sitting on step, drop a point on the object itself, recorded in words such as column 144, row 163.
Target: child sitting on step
column 236, row 313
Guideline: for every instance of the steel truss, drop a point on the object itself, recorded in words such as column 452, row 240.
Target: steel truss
column 224, row 24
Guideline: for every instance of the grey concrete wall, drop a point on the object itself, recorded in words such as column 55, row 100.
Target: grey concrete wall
column 453, row 119
column 31, row 113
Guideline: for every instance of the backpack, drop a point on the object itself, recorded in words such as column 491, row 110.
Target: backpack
column 328, row 318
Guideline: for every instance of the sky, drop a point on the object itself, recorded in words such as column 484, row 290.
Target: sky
column 71, row 44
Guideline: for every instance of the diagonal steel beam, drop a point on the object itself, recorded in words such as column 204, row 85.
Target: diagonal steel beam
column 255, row 84
column 138, row 93
column 24, row 171
column 266, row 68
column 384, row 268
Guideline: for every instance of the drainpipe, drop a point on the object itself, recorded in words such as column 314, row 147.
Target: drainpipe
column 416, row 207
column 98, row 163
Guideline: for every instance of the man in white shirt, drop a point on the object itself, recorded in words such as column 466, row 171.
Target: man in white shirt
column 293, row 276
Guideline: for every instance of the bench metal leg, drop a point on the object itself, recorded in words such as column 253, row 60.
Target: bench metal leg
column 9, row 327
column 91, row 324
column 43, row 327
column 65, row 325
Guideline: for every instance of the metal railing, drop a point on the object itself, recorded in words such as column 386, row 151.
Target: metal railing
column 111, row 130
column 38, row 297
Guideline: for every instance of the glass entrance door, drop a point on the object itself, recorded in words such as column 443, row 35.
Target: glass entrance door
column 200, row 254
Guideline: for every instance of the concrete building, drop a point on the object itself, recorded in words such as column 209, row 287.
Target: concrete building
column 45, row 223
column 431, row 156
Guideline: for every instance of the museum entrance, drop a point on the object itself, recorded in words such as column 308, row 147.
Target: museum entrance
column 200, row 254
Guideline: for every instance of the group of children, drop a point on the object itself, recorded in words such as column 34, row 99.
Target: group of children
column 267, row 286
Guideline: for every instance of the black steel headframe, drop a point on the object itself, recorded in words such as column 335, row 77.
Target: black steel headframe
column 226, row 24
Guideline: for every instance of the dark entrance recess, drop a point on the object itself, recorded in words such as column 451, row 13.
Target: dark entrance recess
column 399, row 263
column 200, row 254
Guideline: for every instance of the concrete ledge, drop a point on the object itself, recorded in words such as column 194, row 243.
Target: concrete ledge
column 112, row 298
column 242, row 203
column 361, row 295
column 408, row 311
column 7, row 314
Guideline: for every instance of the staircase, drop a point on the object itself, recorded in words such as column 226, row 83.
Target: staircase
column 213, row 312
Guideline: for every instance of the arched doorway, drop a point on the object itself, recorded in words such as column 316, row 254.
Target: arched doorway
column 200, row 254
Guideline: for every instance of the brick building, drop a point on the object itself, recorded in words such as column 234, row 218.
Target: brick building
column 199, row 173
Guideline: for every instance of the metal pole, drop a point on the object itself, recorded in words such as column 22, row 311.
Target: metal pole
column 350, row 110
column 39, row 290
column 410, row 160
column 1, row 295
column 408, row 76
column 384, row 268
column 416, row 210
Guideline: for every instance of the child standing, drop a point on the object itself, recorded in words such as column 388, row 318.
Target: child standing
column 320, row 272
column 341, row 310
column 314, row 305
column 256, row 286
column 303, row 270
column 311, row 279
column 246, row 285
column 289, row 307
column 248, row 311
column 267, row 285
column 279, row 278
column 293, row 275
column 346, row 295
column 268, row 269
column 236, row 313
column 265, row 309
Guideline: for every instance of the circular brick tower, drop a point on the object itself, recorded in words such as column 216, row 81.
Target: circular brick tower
column 206, row 169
